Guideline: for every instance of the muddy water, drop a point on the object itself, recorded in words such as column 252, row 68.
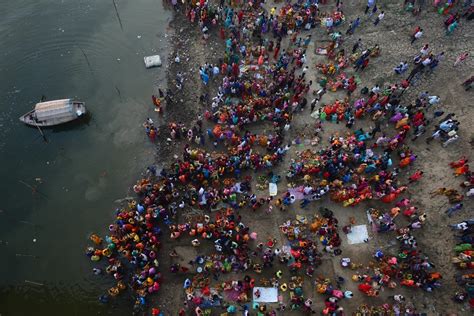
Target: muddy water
column 53, row 195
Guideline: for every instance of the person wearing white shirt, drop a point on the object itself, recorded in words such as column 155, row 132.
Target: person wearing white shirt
column 376, row 89
column 417, row 35
column 460, row 226
column 379, row 18
column 433, row 100
column 427, row 61
column 425, row 50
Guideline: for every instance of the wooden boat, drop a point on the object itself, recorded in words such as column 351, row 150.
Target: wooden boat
column 55, row 112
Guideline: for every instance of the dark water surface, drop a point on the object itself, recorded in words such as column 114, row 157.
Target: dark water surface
column 85, row 167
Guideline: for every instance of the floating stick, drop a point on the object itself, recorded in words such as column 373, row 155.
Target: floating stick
column 87, row 60
column 119, row 94
column 118, row 16
column 33, row 189
column 35, row 283
column 26, row 255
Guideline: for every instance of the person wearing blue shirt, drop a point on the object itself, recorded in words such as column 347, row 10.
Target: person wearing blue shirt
column 370, row 4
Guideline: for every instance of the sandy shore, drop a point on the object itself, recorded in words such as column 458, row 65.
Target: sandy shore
column 435, row 239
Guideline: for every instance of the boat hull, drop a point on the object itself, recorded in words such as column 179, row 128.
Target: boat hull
column 29, row 118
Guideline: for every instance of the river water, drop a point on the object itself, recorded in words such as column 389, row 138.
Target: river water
column 55, row 194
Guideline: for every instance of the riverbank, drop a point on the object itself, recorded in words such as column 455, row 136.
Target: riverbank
column 395, row 46
column 185, row 108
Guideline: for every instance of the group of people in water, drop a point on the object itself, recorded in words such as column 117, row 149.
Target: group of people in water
column 263, row 75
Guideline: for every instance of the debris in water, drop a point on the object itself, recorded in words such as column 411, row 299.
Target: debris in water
column 35, row 283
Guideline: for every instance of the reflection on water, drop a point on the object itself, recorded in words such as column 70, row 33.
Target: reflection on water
column 54, row 194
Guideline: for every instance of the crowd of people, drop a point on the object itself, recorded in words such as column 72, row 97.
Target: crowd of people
column 261, row 79
column 464, row 232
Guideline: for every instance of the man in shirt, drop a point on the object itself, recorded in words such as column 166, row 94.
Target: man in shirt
column 461, row 226
column 417, row 35
column 427, row 61
column 356, row 45
column 370, row 4
column 379, row 18
column 401, row 68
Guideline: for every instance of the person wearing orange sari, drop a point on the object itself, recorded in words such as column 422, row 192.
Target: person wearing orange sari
column 461, row 170
column 404, row 162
